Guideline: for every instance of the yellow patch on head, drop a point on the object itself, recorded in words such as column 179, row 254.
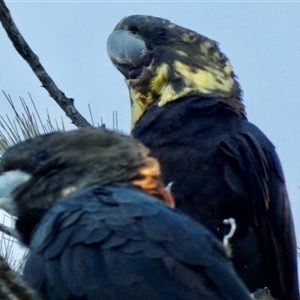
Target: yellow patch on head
column 136, row 113
column 204, row 47
column 205, row 80
column 228, row 68
column 140, row 99
column 172, row 26
column 193, row 37
column 182, row 53
column 160, row 78
column 207, row 44
column 167, row 94
column 68, row 191
column 216, row 56
column 185, row 37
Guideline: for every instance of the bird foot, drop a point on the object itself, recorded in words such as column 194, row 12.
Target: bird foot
column 230, row 234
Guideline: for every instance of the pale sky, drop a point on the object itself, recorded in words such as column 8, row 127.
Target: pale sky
column 260, row 38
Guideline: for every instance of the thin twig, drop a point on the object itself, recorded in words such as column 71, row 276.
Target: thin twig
column 91, row 115
column 36, row 111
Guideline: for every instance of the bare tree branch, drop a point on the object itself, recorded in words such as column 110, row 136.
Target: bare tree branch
column 67, row 104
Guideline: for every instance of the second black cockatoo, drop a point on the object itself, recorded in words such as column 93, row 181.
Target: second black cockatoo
column 87, row 205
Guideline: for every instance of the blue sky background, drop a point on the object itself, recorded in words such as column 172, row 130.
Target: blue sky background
column 260, row 38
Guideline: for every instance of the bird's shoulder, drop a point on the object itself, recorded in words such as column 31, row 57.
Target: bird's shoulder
column 112, row 216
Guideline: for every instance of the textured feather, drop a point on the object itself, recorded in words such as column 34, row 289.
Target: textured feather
column 158, row 254
column 222, row 166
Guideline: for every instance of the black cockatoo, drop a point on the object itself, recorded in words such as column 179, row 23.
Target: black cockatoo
column 187, row 109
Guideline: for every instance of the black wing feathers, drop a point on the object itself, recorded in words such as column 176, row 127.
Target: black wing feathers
column 224, row 167
column 251, row 158
column 145, row 249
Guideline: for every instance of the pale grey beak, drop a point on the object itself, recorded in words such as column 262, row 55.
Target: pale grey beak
column 126, row 50
column 8, row 182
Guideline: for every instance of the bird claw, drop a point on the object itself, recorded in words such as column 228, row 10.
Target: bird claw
column 228, row 236
column 169, row 186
